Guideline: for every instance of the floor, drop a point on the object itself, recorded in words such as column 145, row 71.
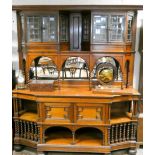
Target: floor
column 32, row 152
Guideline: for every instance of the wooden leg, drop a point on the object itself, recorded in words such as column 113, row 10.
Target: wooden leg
column 132, row 152
column 17, row 147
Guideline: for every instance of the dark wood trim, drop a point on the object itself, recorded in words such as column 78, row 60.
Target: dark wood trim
column 75, row 7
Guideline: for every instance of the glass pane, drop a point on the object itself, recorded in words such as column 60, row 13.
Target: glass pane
column 130, row 21
column 43, row 68
column 86, row 28
column 33, row 29
column 49, row 28
column 64, row 32
column 116, row 27
column 99, row 28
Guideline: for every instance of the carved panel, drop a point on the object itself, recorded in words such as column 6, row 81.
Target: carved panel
column 52, row 112
column 89, row 113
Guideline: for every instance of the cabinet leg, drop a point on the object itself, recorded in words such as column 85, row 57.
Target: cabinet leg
column 17, row 147
column 132, row 152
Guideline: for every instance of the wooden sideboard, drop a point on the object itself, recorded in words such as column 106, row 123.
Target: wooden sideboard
column 73, row 45
column 75, row 120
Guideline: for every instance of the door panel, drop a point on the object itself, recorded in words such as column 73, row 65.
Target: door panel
column 75, row 31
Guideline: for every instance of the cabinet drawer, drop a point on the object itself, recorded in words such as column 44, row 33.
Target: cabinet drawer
column 89, row 113
column 58, row 112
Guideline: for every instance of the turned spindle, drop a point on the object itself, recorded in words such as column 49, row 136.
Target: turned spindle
column 32, row 131
column 35, row 132
column 28, row 130
column 124, row 132
column 21, row 129
column 116, row 134
column 120, row 132
column 112, row 134
column 25, row 129
column 128, row 131
column 16, row 128
column 134, row 132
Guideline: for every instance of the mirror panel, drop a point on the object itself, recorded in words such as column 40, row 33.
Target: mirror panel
column 43, row 68
column 74, row 68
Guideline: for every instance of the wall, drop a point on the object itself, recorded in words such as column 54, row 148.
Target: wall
column 14, row 42
column 77, row 2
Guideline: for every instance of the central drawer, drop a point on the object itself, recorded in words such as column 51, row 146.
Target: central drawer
column 78, row 113
column 58, row 112
column 86, row 112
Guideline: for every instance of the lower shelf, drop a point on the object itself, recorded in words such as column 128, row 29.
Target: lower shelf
column 91, row 149
column 83, row 137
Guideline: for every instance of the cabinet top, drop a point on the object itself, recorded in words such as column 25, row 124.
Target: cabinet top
column 80, row 93
column 75, row 7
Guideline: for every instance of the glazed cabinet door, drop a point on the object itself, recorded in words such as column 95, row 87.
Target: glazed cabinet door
column 42, row 28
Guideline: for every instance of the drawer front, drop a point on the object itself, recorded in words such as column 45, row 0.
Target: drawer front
column 89, row 112
column 58, row 112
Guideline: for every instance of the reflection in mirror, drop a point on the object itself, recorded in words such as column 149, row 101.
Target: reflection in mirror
column 74, row 68
column 108, row 60
column 43, row 68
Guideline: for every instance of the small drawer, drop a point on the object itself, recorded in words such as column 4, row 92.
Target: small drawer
column 58, row 112
column 89, row 112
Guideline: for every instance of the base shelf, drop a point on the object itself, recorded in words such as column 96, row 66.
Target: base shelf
column 29, row 116
column 120, row 118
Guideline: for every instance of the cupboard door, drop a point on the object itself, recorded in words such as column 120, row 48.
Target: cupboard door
column 75, row 31
column 64, row 28
column 34, row 29
column 117, row 25
column 99, row 28
column 49, row 28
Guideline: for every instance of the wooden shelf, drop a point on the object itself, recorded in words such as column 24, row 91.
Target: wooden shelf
column 120, row 118
column 29, row 116
column 82, row 138
column 59, row 138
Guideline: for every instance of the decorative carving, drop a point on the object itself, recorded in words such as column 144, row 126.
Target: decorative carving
column 89, row 113
column 53, row 112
